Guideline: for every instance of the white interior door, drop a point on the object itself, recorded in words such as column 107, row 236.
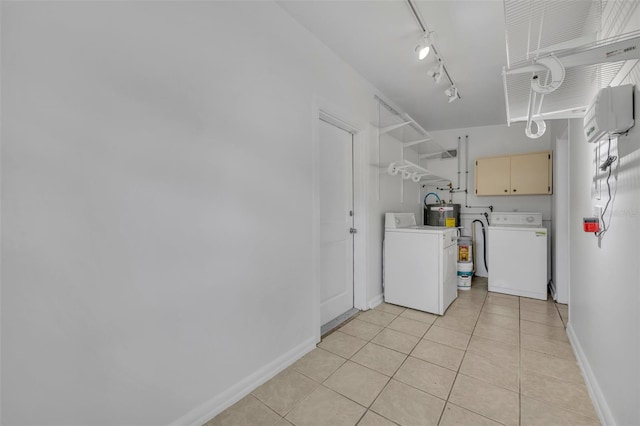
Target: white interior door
column 336, row 221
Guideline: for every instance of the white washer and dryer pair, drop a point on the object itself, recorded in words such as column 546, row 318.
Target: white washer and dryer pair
column 419, row 264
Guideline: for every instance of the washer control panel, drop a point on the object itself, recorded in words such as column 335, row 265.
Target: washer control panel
column 516, row 219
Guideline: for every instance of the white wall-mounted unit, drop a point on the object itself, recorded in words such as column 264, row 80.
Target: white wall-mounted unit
column 610, row 113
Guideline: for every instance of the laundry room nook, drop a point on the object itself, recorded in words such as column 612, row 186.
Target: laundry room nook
column 284, row 212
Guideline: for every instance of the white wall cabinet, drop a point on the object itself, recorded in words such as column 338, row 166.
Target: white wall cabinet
column 522, row 174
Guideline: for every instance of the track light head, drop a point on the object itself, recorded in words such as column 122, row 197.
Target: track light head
column 436, row 72
column 452, row 93
column 423, row 47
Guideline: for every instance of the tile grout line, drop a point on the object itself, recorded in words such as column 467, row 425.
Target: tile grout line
column 397, row 369
column 561, row 317
column 367, row 408
column 562, row 408
column 468, row 308
column 462, row 360
column 479, row 313
column 485, row 302
column 321, row 384
column 420, row 338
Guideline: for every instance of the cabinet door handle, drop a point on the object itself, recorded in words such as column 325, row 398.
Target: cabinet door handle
column 506, row 190
column 514, row 190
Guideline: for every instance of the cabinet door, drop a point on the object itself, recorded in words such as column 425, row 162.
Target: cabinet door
column 493, row 176
column 531, row 173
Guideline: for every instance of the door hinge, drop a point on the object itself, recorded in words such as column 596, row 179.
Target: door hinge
column 353, row 231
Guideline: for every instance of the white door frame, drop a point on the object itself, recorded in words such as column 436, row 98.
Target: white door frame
column 332, row 114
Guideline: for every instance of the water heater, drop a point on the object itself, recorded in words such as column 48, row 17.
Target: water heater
column 442, row 214
column 610, row 113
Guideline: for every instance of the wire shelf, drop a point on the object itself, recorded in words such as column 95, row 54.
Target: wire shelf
column 578, row 34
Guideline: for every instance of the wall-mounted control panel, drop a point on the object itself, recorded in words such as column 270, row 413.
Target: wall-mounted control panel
column 516, row 219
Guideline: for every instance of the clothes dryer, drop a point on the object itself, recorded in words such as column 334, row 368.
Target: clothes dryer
column 517, row 250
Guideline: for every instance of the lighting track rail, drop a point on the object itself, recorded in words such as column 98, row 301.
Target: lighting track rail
column 453, row 92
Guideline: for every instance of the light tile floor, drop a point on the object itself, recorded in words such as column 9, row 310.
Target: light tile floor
column 491, row 359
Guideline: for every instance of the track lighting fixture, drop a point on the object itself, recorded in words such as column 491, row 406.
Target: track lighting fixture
column 426, row 43
column 424, row 46
column 437, row 71
column 452, row 93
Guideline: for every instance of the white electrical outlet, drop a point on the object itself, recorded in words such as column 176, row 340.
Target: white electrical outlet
column 597, row 211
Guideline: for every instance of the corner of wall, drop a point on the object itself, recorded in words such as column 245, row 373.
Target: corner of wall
column 375, row 301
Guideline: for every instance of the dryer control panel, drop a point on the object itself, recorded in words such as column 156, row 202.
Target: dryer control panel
column 516, row 219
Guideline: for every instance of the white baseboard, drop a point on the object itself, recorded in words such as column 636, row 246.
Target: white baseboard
column 206, row 411
column 376, row 301
column 597, row 397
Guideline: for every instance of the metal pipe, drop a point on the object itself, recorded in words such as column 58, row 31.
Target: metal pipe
column 466, row 183
column 480, row 207
column 459, row 159
column 506, row 96
column 466, row 159
column 466, row 174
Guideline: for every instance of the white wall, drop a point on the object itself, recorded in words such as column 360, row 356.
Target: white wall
column 604, row 304
column 156, row 204
column 604, row 297
column 487, row 141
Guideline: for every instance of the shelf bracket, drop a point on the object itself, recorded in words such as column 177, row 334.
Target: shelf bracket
column 419, row 141
column 435, row 155
column 387, row 129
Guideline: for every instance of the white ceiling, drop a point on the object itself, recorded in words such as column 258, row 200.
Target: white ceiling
column 378, row 39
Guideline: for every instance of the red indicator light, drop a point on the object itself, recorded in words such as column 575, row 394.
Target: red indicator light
column 591, row 224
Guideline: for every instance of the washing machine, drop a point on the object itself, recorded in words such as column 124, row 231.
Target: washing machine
column 517, row 251
column 419, row 264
